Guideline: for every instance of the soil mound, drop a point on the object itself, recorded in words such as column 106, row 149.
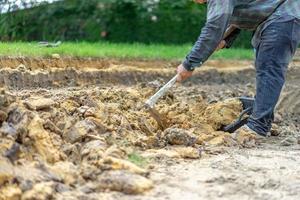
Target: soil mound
column 80, row 140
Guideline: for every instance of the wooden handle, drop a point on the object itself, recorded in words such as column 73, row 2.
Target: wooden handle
column 151, row 102
column 228, row 31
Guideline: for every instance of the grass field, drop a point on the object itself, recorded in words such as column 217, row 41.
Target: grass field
column 112, row 50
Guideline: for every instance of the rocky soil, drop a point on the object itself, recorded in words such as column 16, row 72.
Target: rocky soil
column 83, row 133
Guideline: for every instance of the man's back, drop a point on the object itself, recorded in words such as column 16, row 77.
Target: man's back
column 245, row 14
column 249, row 14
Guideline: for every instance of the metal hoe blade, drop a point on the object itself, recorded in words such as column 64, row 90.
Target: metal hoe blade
column 162, row 122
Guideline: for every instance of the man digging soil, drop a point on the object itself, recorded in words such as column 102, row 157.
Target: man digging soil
column 276, row 26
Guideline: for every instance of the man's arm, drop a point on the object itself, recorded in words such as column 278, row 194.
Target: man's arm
column 218, row 16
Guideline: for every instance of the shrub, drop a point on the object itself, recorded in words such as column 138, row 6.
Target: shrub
column 146, row 21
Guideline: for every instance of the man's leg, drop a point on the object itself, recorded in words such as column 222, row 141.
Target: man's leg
column 278, row 45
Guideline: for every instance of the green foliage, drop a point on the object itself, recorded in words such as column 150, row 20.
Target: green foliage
column 137, row 159
column 146, row 21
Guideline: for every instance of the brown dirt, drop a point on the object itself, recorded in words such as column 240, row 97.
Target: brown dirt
column 34, row 63
column 82, row 132
column 28, row 73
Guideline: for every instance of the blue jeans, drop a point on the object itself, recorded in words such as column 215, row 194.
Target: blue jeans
column 279, row 42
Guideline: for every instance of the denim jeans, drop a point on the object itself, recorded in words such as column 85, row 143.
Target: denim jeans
column 278, row 44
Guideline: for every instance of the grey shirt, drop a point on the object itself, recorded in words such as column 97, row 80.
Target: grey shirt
column 253, row 15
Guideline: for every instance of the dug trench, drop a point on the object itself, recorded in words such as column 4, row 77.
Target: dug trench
column 80, row 131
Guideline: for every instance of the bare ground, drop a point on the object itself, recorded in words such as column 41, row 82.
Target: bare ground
column 270, row 170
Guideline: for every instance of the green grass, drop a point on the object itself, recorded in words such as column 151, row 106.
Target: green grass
column 113, row 50
column 137, row 159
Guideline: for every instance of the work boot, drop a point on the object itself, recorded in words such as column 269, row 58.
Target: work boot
column 246, row 137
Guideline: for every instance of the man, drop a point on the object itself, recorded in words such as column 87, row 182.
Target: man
column 277, row 35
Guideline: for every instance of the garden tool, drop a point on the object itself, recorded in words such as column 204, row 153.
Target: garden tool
column 48, row 44
column 162, row 122
column 150, row 103
column 244, row 116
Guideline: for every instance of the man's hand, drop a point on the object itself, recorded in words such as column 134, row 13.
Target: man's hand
column 221, row 45
column 183, row 73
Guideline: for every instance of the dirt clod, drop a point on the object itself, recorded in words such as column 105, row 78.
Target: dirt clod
column 43, row 141
column 40, row 191
column 6, row 171
column 39, row 103
column 223, row 113
column 12, row 192
column 79, row 131
column 176, row 136
column 3, row 116
column 124, row 181
column 110, row 163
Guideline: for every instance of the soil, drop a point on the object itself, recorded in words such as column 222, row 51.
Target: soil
column 77, row 129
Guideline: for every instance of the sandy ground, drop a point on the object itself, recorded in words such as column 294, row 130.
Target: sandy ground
column 270, row 171
column 77, row 126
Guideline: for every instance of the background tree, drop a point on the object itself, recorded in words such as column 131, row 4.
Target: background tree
column 146, row 21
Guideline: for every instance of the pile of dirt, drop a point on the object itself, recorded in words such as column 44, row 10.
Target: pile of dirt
column 77, row 142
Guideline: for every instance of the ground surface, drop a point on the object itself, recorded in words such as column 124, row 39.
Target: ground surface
column 83, row 133
column 266, row 172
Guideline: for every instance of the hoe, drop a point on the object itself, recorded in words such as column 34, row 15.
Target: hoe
column 229, row 36
column 163, row 124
